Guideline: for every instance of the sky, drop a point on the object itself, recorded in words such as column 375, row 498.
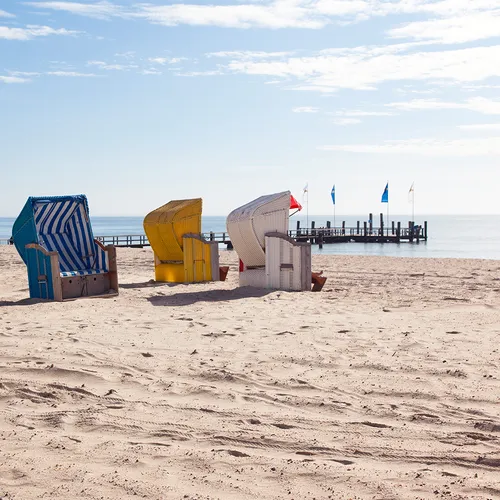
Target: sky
column 135, row 104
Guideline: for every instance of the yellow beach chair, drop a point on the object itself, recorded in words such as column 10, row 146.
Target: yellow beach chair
column 182, row 255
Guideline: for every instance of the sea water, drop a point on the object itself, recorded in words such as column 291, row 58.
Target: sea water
column 456, row 236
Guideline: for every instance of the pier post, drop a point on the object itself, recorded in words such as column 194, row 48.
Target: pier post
column 364, row 229
column 370, row 223
column 343, row 228
column 211, row 236
column 357, row 228
column 393, row 228
column 410, row 229
column 398, row 232
column 298, row 228
column 328, row 224
column 381, row 224
column 425, row 230
column 313, row 230
column 418, row 234
column 320, row 239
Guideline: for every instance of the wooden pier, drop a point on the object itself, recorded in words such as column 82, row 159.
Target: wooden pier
column 363, row 232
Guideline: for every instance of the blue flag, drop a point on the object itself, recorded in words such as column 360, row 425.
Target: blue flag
column 385, row 194
column 333, row 194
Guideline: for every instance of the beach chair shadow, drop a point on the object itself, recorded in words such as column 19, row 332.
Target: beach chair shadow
column 146, row 284
column 190, row 298
column 22, row 302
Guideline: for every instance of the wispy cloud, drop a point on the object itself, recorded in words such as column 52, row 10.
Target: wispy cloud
column 305, row 109
column 359, row 112
column 481, row 127
column 248, row 54
column 112, row 66
column 71, row 74
column 478, row 104
column 433, row 147
column 32, row 31
column 150, row 72
column 466, row 27
column 200, row 73
column 166, row 60
column 452, row 20
column 130, row 54
column 273, row 14
column 364, row 68
column 6, row 14
column 24, row 73
column 99, row 10
column 13, row 79
column 346, row 121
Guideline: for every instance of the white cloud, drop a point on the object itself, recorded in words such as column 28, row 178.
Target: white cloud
column 24, row 73
column 356, row 112
column 6, row 14
column 200, row 73
column 166, row 60
column 150, row 72
column 111, row 67
column 274, row 15
column 130, row 54
column 364, row 68
column 70, row 74
column 31, row 31
column 99, row 10
column 454, row 19
column 346, row 121
column 481, row 127
column 305, row 109
column 248, row 54
column 466, row 27
column 458, row 147
column 478, row 104
column 13, row 79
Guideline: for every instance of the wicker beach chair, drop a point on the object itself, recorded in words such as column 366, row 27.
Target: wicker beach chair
column 182, row 255
column 53, row 236
column 269, row 258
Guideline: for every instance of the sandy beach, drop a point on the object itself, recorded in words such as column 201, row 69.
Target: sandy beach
column 384, row 386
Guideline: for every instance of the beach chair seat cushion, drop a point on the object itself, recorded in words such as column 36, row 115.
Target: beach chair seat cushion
column 87, row 272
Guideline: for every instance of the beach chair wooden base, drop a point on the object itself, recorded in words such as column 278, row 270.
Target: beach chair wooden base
column 318, row 281
column 223, row 270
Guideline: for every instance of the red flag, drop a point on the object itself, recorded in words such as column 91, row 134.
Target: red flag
column 294, row 203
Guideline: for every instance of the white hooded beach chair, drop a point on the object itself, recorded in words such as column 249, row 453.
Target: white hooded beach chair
column 269, row 258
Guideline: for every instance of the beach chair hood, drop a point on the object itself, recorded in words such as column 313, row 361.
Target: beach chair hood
column 248, row 225
column 59, row 223
column 166, row 226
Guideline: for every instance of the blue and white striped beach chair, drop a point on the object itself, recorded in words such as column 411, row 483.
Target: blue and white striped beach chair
column 54, row 237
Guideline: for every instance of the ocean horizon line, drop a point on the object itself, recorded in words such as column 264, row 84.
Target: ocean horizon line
column 310, row 215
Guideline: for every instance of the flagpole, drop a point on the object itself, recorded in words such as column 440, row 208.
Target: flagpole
column 307, row 208
column 413, row 202
column 387, row 223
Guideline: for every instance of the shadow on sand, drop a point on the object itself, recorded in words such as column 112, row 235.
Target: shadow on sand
column 23, row 302
column 189, row 298
column 146, row 284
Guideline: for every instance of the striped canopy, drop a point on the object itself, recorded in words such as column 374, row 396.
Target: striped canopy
column 61, row 224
